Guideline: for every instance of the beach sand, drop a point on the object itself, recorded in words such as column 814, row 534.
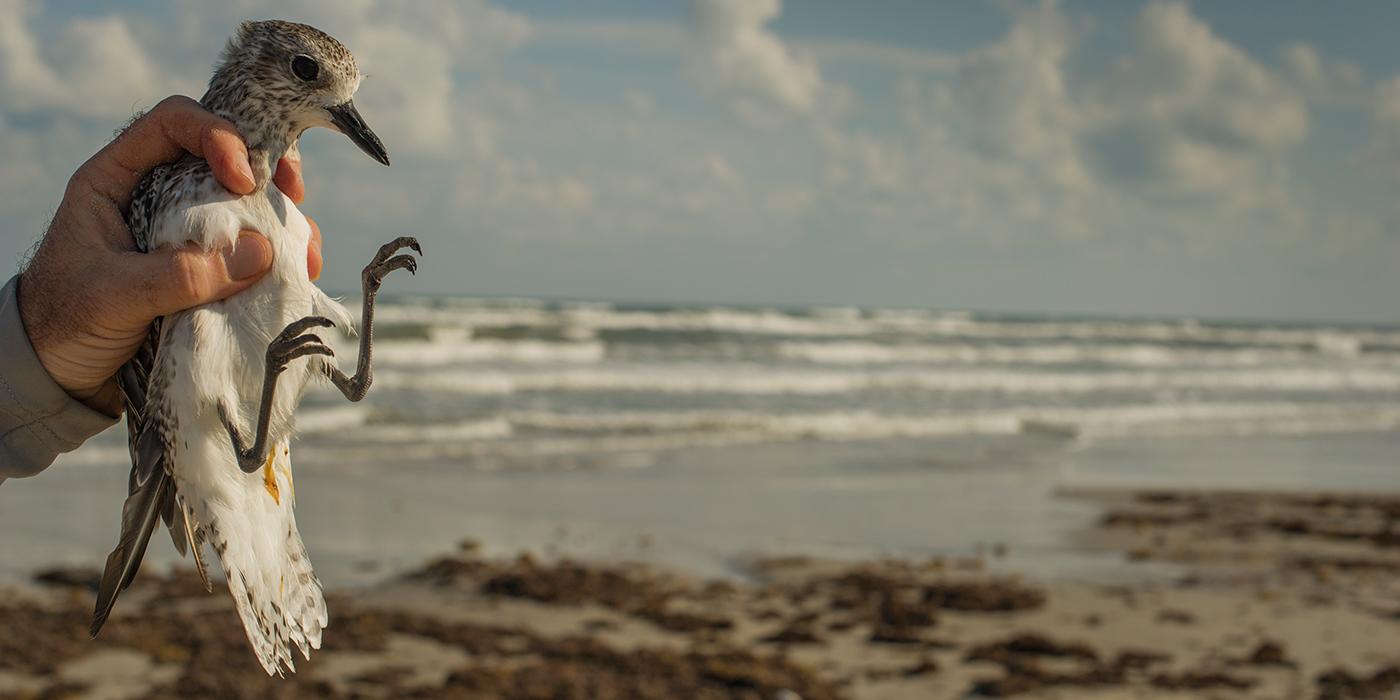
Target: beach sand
column 1244, row 595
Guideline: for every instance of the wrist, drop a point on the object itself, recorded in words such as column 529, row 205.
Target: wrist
column 105, row 399
column 75, row 366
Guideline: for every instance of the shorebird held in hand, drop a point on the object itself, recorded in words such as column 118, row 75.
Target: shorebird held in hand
column 210, row 396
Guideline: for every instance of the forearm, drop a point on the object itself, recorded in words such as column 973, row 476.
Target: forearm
column 38, row 419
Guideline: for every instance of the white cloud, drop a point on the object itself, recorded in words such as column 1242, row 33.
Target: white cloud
column 1011, row 99
column 1023, row 140
column 1183, row 112
column 1319, row 77
column 734, row 55
column 886, row 56
column 96, row 69
column 1188, row 112
column 475, row 31
column 639, row 103
column 1383, row 154
column 652, row 37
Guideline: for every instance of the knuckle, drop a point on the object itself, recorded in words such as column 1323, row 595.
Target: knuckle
column 76, row 184
column 80, row 182
column 188, row 284
column 170, row 105
column 173, row 114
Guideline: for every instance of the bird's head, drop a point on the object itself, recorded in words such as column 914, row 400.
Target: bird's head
column 291, row 77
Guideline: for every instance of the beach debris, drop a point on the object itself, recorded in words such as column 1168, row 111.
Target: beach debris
column 892, row 634
column 69, row 577
column 1029, row 644
column 634, row 590
column 1026, row 660
column 997, row 595
column 1269, row 653
column 1176, row 617
column 1201, row 680
column 1341, row 684
column 584, row 668
column 799, row 630
column 1027, row 676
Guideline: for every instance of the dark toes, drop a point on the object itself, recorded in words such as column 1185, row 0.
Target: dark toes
column 300, row 326
column 301, row 340
column 377, row 271
column 282, row 351
column 394, row 246
column 308, row 349
column 402, row 262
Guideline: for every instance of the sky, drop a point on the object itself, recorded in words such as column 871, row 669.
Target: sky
column 1212, row 160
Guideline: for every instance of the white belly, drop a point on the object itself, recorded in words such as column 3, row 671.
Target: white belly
column 214, row 355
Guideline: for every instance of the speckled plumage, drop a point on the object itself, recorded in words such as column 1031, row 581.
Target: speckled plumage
column 195, row 382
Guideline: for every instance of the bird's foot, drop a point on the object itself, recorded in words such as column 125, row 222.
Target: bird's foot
column 294, row 342
column 291, row 343
column 385, row 262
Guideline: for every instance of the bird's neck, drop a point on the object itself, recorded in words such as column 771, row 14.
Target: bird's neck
column 263, row 154
column 267, row 132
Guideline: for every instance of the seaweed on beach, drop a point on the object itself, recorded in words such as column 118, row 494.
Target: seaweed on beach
column 1341, row 684
column 208, row 653
column 582, row 668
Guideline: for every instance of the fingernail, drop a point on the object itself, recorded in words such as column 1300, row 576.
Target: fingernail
column 246, row 168
column 249, row 257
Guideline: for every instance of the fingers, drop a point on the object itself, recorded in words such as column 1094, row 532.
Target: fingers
column 314, row 261
column 288, row 177
column 170, row 280
column 173, row 127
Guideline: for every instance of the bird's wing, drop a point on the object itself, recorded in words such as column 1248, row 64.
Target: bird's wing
column 151, row 495
column 139, row 516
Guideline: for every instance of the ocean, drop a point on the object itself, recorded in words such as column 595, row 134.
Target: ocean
column 699, row 436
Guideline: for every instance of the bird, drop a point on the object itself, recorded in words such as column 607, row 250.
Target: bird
column 211, row 394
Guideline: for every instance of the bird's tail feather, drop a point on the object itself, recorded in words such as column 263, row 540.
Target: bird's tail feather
column 140, row 513
column 278, row 597
column 186, row 533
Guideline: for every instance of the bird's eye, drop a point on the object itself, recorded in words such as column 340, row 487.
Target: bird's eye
column 305, row 68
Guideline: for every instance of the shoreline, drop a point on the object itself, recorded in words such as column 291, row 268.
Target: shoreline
column 1274, row 595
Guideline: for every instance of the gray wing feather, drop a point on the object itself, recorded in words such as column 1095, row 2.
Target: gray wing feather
column 151, row 493
column 139, row 516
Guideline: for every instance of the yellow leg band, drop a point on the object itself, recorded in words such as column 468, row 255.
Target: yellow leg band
column 270, row 478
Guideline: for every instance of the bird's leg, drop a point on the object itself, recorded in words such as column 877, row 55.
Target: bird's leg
column 293, row 342
column 373, row 275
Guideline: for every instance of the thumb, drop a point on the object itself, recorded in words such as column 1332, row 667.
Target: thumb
column 169, row 280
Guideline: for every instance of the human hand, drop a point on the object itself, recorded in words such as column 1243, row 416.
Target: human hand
column 88, row 296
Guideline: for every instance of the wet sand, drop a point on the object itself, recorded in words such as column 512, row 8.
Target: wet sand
column 1243, row 596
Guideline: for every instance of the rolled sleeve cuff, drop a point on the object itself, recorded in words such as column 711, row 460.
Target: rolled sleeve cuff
column 38, row 419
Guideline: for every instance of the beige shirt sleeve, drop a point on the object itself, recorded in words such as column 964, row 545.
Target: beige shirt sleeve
column 38, row 419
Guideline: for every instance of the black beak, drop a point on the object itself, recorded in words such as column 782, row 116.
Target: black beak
column 348, row 120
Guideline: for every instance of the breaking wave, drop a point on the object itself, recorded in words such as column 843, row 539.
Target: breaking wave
column 1135, row 355
column 440, row 353
column 584, row 320
column 547, row 432
column 765, row 381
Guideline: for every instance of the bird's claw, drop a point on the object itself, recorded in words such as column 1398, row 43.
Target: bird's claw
column 385, row 261
column 294, row 342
